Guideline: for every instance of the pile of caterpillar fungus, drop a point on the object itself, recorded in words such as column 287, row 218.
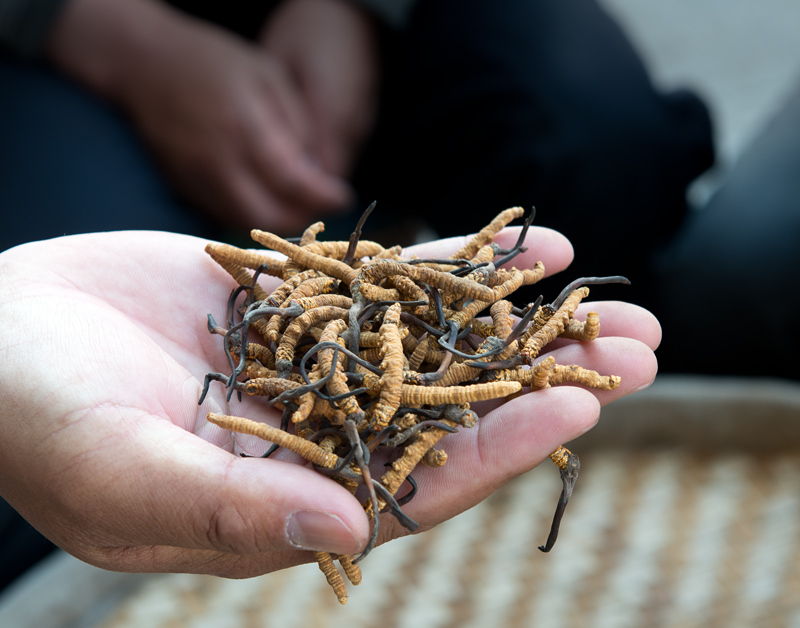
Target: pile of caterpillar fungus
column 363, row 350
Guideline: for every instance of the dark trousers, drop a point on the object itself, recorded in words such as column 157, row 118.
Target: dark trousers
column 727, row 284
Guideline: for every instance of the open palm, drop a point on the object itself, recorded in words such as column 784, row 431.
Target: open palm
column 103, row 448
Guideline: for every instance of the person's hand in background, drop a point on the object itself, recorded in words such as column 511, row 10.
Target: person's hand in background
column 330, row 49
column 223, row 117
column 103, row 448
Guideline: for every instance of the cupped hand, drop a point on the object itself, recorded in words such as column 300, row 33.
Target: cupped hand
column 103, row 448
column 222, row 116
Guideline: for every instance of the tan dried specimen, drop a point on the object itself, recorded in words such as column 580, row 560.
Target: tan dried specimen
column 371, row 382
column 530, row 276
column 409, row 290
column 546, row 373
column 376, row 293
column 255, row 351
column 308, row 450
column 305, row 258
column 561, row 457
column 484, row 255
column 410, row 344
column 324, row 410
column 305, row 403
column 269, row 386
column 540, row 318
column 390, row 253
column 282, row 292
column 332, row 575
column 242, row 276
column 435, row 354
column 575, row 374
column 412, row 455
column 412, row 377
column 225, row 253
column 369, row 339
column 487, row 234
column 463, row 317
column 501, row 316
column 435, row 395
column 311, row 233
column 337, row 385
column 333, row 250
column 482, row 328
column 370, row 354
column 406, row 421
column 458, row 373
column 418, row 355
column 337, row 250
column 336, row 300
column 434, row 457
column 351, row 569
column 254, row 370
column 377, row 270
column 304, row 429
column 312, row 288
column 554, row 326
column 585, row 331
column 541, row 373
column 392, row 366
column 299, row 326
column 302, row 292
column 330, row 443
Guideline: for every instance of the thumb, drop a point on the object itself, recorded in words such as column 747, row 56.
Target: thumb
column 190, row 506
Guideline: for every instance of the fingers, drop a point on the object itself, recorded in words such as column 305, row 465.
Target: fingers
column 278, row 150
column 262, row 206
column 284, row 96
column 629, row 359
column 508, row 441
column 279, row 161
column 516, row 436
column 618, row 318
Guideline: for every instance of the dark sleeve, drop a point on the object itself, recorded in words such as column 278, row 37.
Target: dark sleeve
column 25, row 24
column 394, row 13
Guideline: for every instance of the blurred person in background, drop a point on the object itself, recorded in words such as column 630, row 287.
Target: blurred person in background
column 189, row 116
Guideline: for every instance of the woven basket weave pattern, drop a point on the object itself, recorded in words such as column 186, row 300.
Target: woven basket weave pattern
column 656, row 538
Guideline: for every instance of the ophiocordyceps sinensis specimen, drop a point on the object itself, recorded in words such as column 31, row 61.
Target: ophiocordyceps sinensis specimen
column 365, row 351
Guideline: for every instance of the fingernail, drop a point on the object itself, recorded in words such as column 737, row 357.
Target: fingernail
column 320, row 532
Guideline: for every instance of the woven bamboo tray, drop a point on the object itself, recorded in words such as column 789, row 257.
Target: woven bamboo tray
column 687, row 513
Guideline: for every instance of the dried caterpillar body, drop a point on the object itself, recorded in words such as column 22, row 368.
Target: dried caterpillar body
column 364, row 350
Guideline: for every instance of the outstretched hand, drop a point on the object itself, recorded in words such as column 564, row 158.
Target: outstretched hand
column 103, row 448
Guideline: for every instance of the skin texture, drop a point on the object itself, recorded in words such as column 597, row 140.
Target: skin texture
column 258, row 133
column 103, row 448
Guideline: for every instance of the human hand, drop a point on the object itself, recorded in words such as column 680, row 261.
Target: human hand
column 103, row 448
column 222, row 117
column 330, row 49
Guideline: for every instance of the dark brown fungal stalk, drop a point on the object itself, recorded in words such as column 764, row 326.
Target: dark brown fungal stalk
column 570, row 465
